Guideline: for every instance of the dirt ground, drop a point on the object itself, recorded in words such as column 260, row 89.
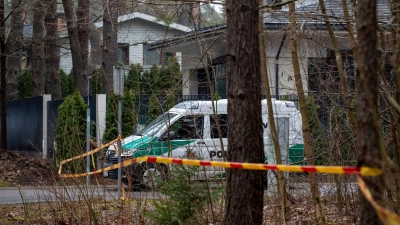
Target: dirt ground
column 20, row 169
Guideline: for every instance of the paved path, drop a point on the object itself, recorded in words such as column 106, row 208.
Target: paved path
column 14, row 195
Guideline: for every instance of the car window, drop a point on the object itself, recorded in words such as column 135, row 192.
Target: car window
column 223, row 124
column 188, row 127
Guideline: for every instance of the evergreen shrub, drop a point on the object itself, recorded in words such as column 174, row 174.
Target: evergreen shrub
column 71, row 132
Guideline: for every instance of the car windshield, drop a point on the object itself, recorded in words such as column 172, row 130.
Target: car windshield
column 156, row 125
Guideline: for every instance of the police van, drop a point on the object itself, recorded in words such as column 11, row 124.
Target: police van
column 190, row 130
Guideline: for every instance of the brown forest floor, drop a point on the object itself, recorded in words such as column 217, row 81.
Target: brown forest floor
column 19, row 169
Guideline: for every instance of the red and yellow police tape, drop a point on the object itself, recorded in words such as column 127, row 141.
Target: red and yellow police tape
column 86, row 154
column 385, row 215
column 364, row 171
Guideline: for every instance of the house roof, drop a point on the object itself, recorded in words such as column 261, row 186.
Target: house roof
column 138, row 15
column 309, row 17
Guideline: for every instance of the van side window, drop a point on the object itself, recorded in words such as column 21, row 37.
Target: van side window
column 223, row 124
column 188, row 127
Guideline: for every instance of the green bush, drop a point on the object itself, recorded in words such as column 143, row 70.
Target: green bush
column 132, row 82
column 97, row 82
column 25, row 84
column 111, row 131
column 186, row 199
column 67, row 84
column 71, row 132
column 154, row 108
column 129, row 117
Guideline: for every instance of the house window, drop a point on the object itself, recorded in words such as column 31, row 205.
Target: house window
column 273, row 2
column 324, row 81
column 123, row 53
column 153, row 56
column 218, row 80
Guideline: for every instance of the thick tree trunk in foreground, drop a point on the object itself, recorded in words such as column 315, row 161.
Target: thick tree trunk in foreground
column 52, row 51
column 3, row 80
column 368, row 138
column 38, row 62
column 110, row 36
column 244, row 192
column 319, row 216
column 15, row 42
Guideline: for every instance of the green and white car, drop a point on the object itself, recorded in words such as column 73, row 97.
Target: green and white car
column 189, row 129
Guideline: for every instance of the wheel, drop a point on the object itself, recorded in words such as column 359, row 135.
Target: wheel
column 150, row 174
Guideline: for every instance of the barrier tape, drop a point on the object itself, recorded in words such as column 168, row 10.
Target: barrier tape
column 385, row 215
column 87, row 154
column 364, row 171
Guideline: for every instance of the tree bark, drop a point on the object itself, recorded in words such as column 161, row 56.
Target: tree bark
column 77, row 71
column 95, row 50
column 38, row 62
column 110, row 45
column 83, row 28
column 3, row 80
column 15, row 43
column 368, row 137
column 244, row 191
column 52, row 51
column 319, row 216
column 395, row 10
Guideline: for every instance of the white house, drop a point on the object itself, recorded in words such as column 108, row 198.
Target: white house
column 135, row 31
column 205, row 49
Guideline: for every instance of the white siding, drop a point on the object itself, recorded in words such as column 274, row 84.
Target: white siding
column 65, row 56
column 134, row 32
column 136, row 54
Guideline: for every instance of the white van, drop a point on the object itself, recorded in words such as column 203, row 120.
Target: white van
column 189, row 129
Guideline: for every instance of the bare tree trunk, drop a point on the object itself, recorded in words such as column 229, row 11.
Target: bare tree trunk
column 38, row 62
column 3, row 80
column 274, row 134
column 110, row 45
column 320, row 218
column 52, row 51
column 95, row 50
column 244, row 192
column 395, row 9
column 77, row 70
column 83, row 28
column 15, row 43
column 368, row 138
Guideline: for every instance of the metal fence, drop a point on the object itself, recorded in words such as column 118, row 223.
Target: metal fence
column 25, row 125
